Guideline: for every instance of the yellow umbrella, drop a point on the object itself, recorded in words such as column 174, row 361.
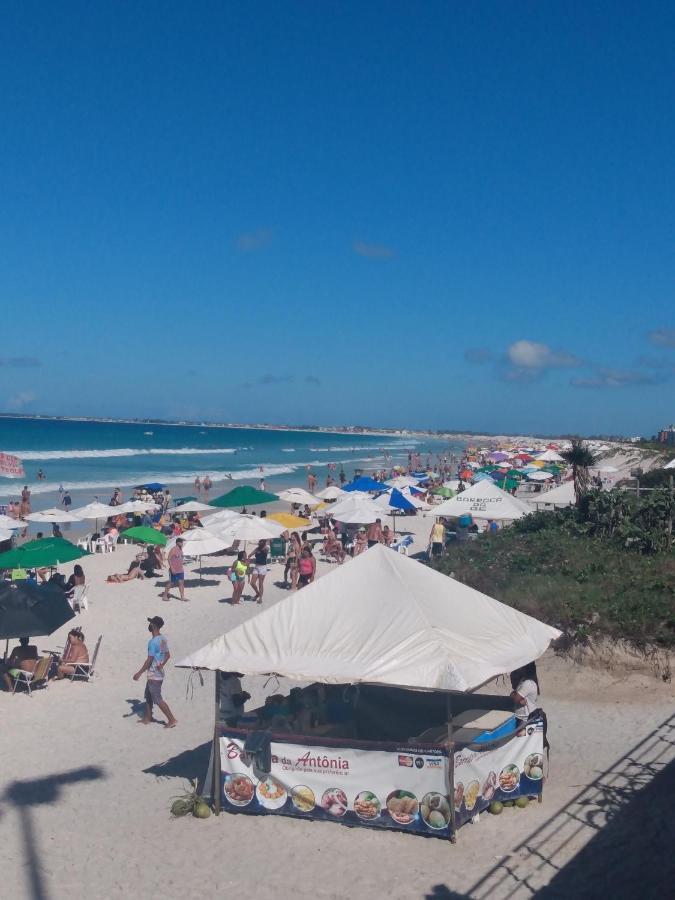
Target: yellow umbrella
column 289, row 521
column 539, row 463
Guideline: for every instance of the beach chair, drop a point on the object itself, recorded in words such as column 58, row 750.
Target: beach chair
column 402, row 545
column 79, row 599
column 277, row 549
column 85, row 671
column 32, row 679
column 84, row 543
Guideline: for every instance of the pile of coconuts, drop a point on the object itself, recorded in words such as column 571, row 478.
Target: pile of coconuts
column 190, row 802
column 496, row 807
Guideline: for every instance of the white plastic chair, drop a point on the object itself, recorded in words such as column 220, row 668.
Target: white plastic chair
column 79, row 599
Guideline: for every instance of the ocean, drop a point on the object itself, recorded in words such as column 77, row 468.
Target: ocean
column 91, row 458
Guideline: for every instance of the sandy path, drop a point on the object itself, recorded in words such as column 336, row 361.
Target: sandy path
column 86, row 789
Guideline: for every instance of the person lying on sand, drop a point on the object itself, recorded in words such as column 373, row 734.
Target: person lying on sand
column 134, row 571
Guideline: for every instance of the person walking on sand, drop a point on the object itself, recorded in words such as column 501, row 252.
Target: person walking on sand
column 198, row 486
column 157, row 658
column 176, row 570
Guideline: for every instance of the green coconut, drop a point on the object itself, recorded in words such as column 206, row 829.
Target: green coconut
column 181, row 807
column 508, row 803
column 522, row 802
column 496, row 807
column 201, row 809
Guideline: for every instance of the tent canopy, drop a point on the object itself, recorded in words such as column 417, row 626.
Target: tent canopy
column 382, row 619
column 559, row 496
column 484, row 500
column 243, row 495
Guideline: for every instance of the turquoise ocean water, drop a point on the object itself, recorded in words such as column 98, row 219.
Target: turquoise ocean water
column 92, row 458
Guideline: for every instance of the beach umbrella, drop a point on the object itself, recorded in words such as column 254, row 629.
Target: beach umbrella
column 364, row 484
column 330, row 493
column 96, row 511
column 30, row 610
column 289, row 521
column 539, row 476
column 394, row 501
column 180, row 500
column 299, row 495
column 443, row 492
column 144, row 534
column 136, row 506
column 549, row 456
column 9, row 524
column 249, row 528
column 220, row 518
column 243, row 495
column 356, row 510
column 153, row 487
column 53, row 516
column 40, row 554
column 192, row 506
column 402, row 481
column 5, row 535
column 199, row 542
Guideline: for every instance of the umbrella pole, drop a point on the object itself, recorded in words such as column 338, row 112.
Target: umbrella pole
column 6, row 648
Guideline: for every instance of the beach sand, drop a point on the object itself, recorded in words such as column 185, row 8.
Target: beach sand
column 84, row 809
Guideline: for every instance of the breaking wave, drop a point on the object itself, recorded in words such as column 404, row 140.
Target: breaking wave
column 118, row 452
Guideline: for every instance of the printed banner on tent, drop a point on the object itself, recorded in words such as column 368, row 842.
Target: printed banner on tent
column 512, row 770
column 11, row 466
column 403, row 788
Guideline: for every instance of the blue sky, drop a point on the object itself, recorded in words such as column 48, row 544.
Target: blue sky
column 447, row 215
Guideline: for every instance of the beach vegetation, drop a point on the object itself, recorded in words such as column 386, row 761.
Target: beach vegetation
column 580, row 458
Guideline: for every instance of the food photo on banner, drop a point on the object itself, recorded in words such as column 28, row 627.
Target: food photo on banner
column 386, row 731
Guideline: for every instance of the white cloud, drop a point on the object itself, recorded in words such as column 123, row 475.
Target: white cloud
column 372, row 251
column 533, row 355
column 21, row 399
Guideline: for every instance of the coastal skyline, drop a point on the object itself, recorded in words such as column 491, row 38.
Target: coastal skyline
column 455, row 217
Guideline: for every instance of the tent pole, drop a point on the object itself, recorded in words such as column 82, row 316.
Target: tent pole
column 216, row 779
column 451, row 771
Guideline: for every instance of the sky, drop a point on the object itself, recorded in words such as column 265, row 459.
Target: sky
column 451, row 215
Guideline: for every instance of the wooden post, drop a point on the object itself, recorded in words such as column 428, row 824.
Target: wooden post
column 670, row 515
column 216, row 779
column 451, row 771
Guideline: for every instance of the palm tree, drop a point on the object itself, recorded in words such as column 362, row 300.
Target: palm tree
column 581, row 459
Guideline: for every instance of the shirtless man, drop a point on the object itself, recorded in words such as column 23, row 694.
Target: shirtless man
column 23, row 657
column 75, row 652
column 311, row 482
column 198, row 486
column 375, row 533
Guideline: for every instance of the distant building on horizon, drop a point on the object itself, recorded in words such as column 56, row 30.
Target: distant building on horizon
column 667, row 435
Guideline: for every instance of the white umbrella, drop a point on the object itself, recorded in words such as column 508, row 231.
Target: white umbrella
column 670, row 465
column 136, row 506
column 5, row 535
column 539, row 475
column 299, row 495
column 220, row 518
column 54, row 516
column 199, row 542
column 8, row 523
column 96, row 511
column 192, row 506
column 402, row 481
column 249, row 528
column 331, row 493
column 356, row 511
column 550, row 456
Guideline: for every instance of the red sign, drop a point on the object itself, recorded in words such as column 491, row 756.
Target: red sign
column 11, row 466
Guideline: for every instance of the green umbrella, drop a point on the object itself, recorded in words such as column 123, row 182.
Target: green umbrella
column 40, row 554
column 244, row 495
column 180, row 500
column 146, row 535
column 443, row 492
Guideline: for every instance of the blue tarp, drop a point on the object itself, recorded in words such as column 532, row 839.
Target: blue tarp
column 365, row 483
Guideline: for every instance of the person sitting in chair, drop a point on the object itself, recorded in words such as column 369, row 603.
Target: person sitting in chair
column 23, row 657
column 333, row 548
column 75, row 652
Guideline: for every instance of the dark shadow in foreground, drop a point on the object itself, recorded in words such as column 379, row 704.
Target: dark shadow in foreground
column 23, row 795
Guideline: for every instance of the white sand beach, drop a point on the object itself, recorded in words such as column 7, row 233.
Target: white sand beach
column 84, row 809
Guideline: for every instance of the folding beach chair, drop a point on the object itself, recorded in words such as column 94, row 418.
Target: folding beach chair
column 32, row 679
column 85, row 671
column 277, row 549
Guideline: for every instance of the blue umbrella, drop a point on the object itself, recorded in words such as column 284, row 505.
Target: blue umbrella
column 365, row 483
column 398, row 501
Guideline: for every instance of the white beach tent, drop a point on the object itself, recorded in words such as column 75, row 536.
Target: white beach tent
column 539, row 475
column 556, row 497
column 483, row 500
column 382, row 619
column 670, row 465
